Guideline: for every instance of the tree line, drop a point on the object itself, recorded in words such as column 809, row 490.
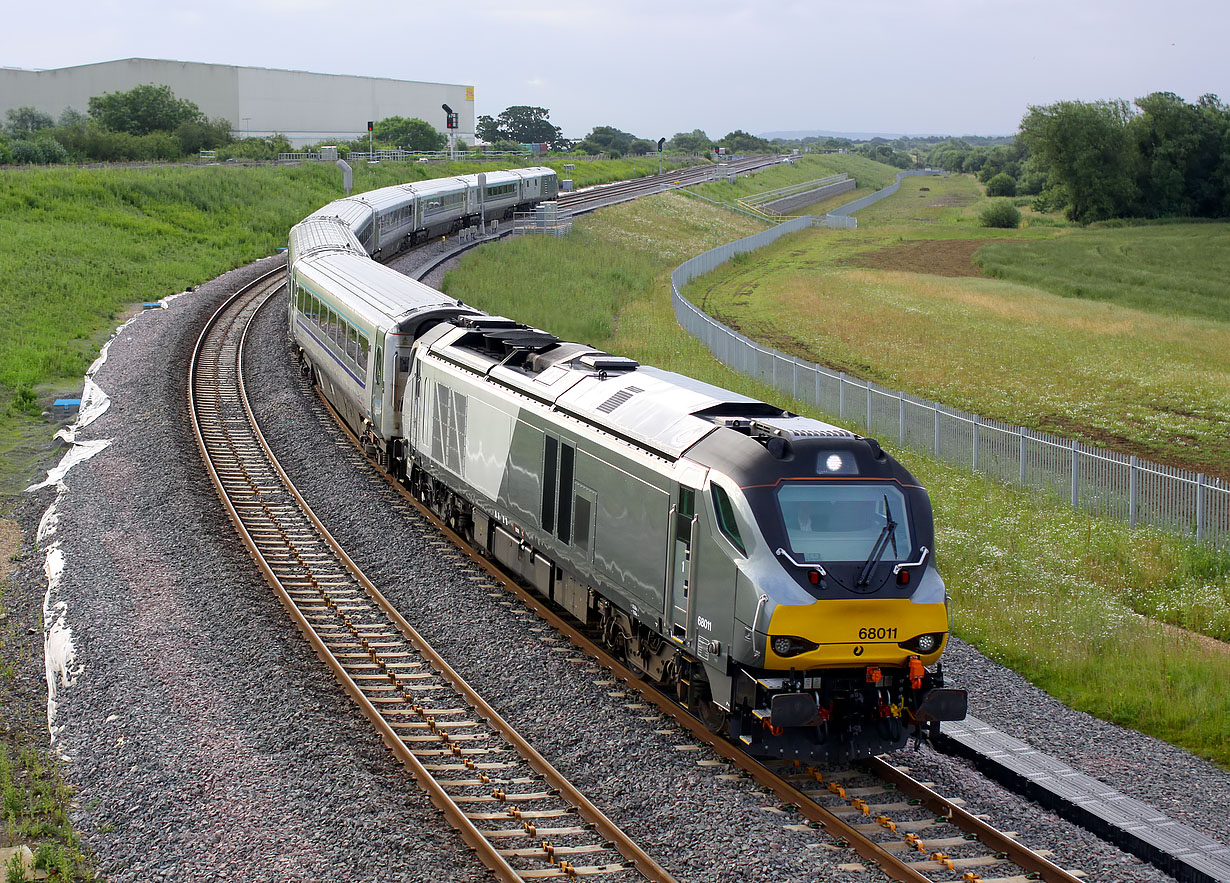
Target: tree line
column 1156, row 157
column 525, row 124
column 145, row 123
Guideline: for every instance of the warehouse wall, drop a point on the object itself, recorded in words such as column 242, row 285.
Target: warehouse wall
column 306, row 107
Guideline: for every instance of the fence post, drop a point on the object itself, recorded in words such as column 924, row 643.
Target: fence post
column 774, row 357
column 816, row 369
column 1133, row 490
column 901, row 419
column 794, row 378
column 1020, row 431
column 868, row 406
column 977, row 422
column 841, row 394
column 1200, row 485
column 936, row 409
column 1076, row 473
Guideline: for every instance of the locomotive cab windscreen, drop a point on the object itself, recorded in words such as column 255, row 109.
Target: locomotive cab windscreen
column 829, row 521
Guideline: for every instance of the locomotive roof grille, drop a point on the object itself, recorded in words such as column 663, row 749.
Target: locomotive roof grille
column 619, row 398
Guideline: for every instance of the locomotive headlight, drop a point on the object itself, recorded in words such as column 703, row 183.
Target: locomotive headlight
column 836, row 463
column 924, row 644
column 788, row 645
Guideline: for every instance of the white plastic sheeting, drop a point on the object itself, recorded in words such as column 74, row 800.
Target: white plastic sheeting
column 59, row 654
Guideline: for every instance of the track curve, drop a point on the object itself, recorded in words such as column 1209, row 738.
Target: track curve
column 522, row 818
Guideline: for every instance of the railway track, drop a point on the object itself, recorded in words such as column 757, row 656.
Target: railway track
column 522, row 818
column 592, row 198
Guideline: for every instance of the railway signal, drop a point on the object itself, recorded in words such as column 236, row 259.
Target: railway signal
column 450, row 122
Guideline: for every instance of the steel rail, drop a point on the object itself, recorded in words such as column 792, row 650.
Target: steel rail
column 222, row 474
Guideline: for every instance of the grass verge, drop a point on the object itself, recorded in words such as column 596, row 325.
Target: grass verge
column 82, row 246
column 901, row 303
column 34, row 801
column 1046, row 590
column 870, row 175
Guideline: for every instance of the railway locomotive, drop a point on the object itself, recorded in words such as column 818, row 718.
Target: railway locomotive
column 775, row 573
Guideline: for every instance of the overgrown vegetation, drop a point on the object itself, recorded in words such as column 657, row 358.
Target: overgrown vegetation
column 1047, row 590
column 145, row 123
column 1153, row 158
column 83, row 245
column 1000, row 213
column 34, row 805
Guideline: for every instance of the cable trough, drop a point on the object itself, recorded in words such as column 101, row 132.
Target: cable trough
column 522, row 818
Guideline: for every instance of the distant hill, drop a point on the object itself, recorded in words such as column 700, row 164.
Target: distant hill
column 868, row 136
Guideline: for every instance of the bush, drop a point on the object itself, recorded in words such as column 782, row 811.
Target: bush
column 53, row 150
column 27, row 152
column 1001, row 213
column 6, row 152
column 1002, row 184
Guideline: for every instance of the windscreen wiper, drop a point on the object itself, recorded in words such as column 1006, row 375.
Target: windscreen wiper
column 887, row 533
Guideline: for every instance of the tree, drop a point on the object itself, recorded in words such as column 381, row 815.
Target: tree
column 1002, row 184
column 143, row 109
column 607, row 139
column 1087, row 153
column 202, row 134
column 23, row 122
column 488, row 129
column 520, row 123
column 639, row 146
column 739, row 141
column 71, row 118
column 410, row 134
column 695, row 141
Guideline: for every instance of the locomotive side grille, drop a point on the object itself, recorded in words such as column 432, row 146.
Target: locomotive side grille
column 619, row 398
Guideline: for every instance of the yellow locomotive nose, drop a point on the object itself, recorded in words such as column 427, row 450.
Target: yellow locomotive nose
column 858, row 631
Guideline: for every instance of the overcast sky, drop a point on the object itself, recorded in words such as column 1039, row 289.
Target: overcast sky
column 656, row 68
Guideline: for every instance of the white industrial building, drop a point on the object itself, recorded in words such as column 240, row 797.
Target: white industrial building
column 303, row 106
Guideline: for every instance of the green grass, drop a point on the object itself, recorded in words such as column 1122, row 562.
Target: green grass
column 1047, row 590
column 869, row 174
column 83, row 246
column 1108, row 373
column 1170, row 270
column 34, row 807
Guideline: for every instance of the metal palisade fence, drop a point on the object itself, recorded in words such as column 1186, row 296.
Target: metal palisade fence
column 1100, row 481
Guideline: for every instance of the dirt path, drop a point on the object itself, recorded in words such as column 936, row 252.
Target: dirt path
column 937, row 257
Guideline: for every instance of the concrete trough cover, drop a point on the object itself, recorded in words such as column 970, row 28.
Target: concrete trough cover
column 1134, row 826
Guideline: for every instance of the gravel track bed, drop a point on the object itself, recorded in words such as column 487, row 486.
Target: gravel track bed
column 207, row 742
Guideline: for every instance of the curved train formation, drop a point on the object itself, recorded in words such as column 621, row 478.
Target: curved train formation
column 774, row 572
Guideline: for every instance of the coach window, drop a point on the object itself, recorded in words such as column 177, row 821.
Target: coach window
column 352, row 343
column 363, row 353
